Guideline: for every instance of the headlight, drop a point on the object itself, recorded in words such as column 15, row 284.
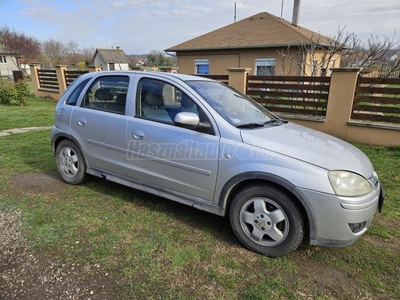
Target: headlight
column 349, row 184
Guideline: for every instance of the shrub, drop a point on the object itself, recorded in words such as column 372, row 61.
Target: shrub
column 23, row 93
column 7, row 91
column 14, row 92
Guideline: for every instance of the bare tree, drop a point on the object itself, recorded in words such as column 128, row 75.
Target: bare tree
column 317, row 57
column 53, row 53
column 87, row 55
column 25, row 47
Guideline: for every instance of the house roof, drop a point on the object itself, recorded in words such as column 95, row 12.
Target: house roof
column 4, row 52
column 111, row 56
column 262, row 30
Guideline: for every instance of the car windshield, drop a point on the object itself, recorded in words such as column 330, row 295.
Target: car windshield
column 236, row 108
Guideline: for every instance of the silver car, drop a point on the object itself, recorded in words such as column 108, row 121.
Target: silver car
column 201, row 143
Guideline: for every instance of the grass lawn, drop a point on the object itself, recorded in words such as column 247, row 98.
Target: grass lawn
column 157, row 249
column 39, row 112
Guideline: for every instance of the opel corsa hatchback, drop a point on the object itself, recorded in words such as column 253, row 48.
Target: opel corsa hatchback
column 201, row 143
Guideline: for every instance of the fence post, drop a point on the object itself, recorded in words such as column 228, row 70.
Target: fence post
column 340, row 100
column 93, row 68
column 238, row 78
column 62, row 83
column 168, row 69
column 35, row 78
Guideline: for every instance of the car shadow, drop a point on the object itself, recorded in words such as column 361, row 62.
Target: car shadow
column 217, row 226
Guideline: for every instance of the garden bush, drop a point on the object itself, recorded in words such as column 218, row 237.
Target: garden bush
column 11, row 92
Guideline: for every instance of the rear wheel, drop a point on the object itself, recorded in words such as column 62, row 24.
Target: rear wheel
column 266, row 220
column 70, row 162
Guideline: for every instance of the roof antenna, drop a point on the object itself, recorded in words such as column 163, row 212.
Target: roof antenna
column 234, row 15
column 282, row 10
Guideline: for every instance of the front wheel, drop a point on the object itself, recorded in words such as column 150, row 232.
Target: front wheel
column 70, row 162
column 266, row 220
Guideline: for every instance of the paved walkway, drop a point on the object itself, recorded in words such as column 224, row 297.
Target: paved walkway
column 22, row 130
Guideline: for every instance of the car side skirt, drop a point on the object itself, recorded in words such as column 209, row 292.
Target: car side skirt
column 197, row 203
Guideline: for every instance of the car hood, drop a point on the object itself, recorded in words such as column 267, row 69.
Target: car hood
column 311, row 146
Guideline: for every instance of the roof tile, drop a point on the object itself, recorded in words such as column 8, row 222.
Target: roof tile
column 262, row 30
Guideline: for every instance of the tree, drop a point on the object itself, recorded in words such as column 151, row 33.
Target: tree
column 318, row 56
column 53, row 52
column 87, row 55
column 157, row 58
column 73, row 56
column 25, row 47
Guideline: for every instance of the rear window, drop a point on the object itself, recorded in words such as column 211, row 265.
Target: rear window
column 73, row 97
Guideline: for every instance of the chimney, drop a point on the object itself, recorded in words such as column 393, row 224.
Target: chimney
column 118, row 47
column 296, row 12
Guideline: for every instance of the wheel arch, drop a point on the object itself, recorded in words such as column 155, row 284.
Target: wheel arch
column 240, row 181
column 57, row 139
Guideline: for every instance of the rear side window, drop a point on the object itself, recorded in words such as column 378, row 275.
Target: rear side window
column 73, row 97
column 107, row 93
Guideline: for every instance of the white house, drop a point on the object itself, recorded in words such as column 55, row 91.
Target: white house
column 111, row 59
column 8, row 63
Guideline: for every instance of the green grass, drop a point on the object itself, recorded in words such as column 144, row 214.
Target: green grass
column 39, row 112
column 158, row 249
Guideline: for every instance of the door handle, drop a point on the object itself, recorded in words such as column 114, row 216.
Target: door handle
column 81, row 122
column 137, row 134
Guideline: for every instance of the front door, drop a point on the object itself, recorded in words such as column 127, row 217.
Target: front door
column 164, row 155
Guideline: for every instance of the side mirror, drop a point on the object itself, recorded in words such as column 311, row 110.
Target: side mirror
column 187, row 119
column 191, row 121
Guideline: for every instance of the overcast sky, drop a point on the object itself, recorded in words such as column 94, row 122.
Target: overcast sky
column 140, row 26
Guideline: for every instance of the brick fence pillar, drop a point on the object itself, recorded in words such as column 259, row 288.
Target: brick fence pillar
column 238, row 78
column 93, row 68
column 168, row 69
column 340, row 100
column 62, row 84
column 35, row 78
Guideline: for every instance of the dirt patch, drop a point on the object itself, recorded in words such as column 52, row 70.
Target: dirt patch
column 26, row 275
column 391, row 243
column 330, row 282
column 39, row 182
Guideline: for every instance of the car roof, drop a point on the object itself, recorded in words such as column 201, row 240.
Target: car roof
column 183, row 77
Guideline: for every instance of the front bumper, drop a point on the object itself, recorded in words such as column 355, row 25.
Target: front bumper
column 335, row 216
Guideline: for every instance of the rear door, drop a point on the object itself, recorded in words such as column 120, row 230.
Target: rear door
column 99, row 123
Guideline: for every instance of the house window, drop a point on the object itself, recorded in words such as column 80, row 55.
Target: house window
column 332, row 63
column 265, row 66
column 3, row 59
column 202, row 66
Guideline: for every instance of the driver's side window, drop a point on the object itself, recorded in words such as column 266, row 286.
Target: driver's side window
column 160, row 101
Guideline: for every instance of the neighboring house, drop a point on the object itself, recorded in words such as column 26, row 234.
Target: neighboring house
column 111, row 59
column 396, row 57
column 8, row 63
column 256, row 43
column 24, row 65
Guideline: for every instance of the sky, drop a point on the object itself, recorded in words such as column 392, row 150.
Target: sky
column 141, row 26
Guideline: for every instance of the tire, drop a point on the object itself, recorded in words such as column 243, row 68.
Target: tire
column 266, row 220
column 70, row 163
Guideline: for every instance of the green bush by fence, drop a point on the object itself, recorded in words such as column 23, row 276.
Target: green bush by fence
column 11, row 92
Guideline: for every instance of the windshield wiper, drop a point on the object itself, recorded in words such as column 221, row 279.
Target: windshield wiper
column 250, row 125
column 275, row 122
